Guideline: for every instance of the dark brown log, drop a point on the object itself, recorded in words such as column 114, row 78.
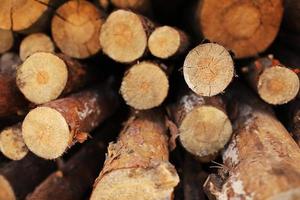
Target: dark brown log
column 202, row 123
column 140, row 6
column 44, row 76
column 274, row 83
column 49, row 130
column 247, row 28
column 262, row 160
column 137, row 165
column 292, row 15
column 18, row 178
column 6, row 40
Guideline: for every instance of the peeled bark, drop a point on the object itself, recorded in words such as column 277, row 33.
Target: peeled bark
column 44, row 76
column 49, row 130
column 6, row 40
column 274, row 83
column 124, row 36
column 137, row 165
column 208, row 69
column 18, row 178
column 202, row 123
column 247, row 28
column 262, row 160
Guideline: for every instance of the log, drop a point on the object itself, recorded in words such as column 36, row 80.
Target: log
column 74, row 179
column 262, row 160
column 124, row 36
column 11, row 100
column 76, row 27
column 145, row 85
column 6, row 40
column 140, row 6
column 294, row 120
column 274, row 83
column 12, row 144
column 247, row 28
column 44, row 76
column 208, row 69
column 166, row 41
column 292, row 15
column 202, row 124
column 36, row 42
column 50, row 129
column 137, row 165
column 18, row 178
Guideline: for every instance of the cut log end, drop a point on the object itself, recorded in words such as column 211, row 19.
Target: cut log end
column 42, row 77
column 76, row 29
column 33, row 43
column 208, row 69
column 46, row 132
column 146, row 184
column 293, row 194
column 164, row 42
column 204, row 131
column 123, row 37
column 6, row 191
column 12, row 144
column 6, row 40
column 278, row 85
column 145, row 86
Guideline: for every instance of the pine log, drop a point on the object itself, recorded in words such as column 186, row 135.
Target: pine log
column 208, row 69
column 140, row 6
column 202, row 123
column 11, row 100
column 145, row 85
column 166, row 41
column 36, row 42
column 124, row 36
column 262, row 160
column 44, row 76
column 6, row 40
column 137, row 165
column 73, row 180
column 18, row 178
column 292, row 15
column 247, row 27
column 274, row 83
column 49, row 130
column 294, row 120
column 76, row 28
column 12, row 144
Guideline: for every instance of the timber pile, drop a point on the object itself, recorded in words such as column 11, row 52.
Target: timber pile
column 149, row 100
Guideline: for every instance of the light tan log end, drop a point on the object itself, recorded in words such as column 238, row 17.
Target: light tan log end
column 293, row 194
column 278, row 85
column 123, row 37
column 6, row 40
column 12, row 144
column 145, row 86
column 42, row 77
column 137, row 183
column 164, row 42
column 208, row 69
column 204, row 131
column 46, row 132
column 37, row 42
column 6, row 191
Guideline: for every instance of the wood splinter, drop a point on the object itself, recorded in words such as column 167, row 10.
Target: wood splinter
column 137, row 165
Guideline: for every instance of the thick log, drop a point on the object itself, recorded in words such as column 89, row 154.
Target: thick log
column 247, row 28
column 6, row 40
column 49, row 130
column 145, row 85
column 294, row 120
column 202, row 123
column 44, row 76
column 18, row 178
column 208, row 69
column 140, row 6
column 262, row 160
column 137, row 165
column 76, row 28
column 124, row 36
column 274, row 83
column 292, row 15
column 166, row 41
column 12, row 144
column 36, row 42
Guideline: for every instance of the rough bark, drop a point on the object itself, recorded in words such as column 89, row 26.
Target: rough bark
column 262, row 160
column 6, row 40
column 137, row 165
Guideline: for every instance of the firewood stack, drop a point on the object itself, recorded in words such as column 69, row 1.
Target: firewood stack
column 149, row 100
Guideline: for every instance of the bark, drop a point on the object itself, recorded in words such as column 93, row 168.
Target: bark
column 140, row 6
column 292, row 15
